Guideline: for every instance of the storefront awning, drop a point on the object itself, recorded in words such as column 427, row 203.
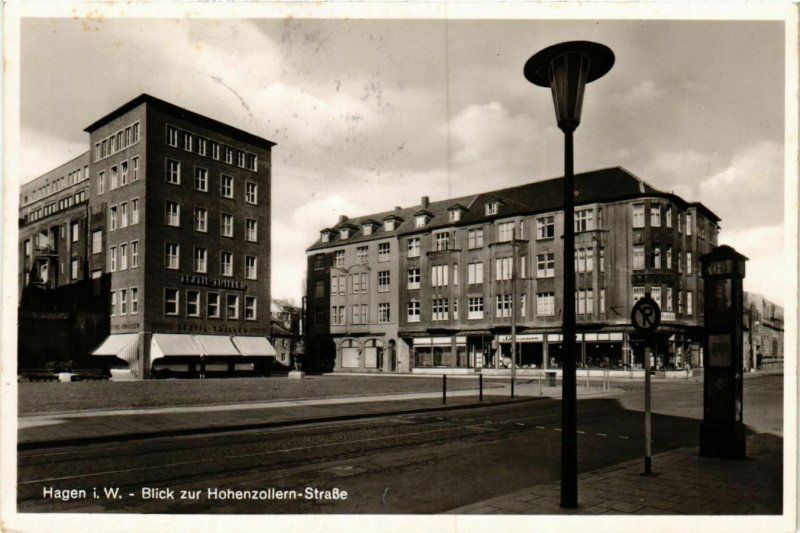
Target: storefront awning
column 173, row 345
column 254, row 346
column 125, row 346
column 216, row 345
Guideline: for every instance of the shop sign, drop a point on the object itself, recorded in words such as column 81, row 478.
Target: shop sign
column 534, row 337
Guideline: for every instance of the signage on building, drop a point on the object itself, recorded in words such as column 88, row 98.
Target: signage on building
column 217, row 283
column 536, row 337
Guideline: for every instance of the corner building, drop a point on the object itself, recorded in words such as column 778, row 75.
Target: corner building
column 177, row 240
column 452, row 290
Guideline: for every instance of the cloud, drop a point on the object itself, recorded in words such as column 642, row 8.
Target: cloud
column 767, row 269
column 645, row 91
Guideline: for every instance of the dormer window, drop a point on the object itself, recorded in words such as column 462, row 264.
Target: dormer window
column 344, row 233
column 455, row 215
column 367, row 229
column 420, row 221
column 389, row 225
column 492, row 207
column 326, row 235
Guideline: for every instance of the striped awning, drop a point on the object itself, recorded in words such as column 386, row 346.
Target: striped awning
column 216, row 345
column 257, row 346
column 173, row 345
column 124, row 345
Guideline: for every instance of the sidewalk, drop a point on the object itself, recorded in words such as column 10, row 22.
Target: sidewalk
column 682, row 483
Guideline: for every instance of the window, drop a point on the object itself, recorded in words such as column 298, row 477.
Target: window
column 134, row 300
column 584, row 220
column 319, row 316
column 638, row 215
column 338, row 285
column 475, row 308
column 214, row 150
column 172, row 136
column 359, row 282
column 187, row 141
column 504, row 305
column 251, row 230
column 680, row 222
column 251, row 193
column 135, row 211
column 545, row 304
column 688, row 262
column 97, row 243
column 420, row 221
column 319, row 261
column 505, row 231
column 584, row 301
column 413, row 247
column 173, row 214
column 413, row 311
column 250, row 267
column 383, row 252
column 439, row 309
column 389, row 225
column 655, row 293
column 602, row 301
column 114, row 177
column 226, row 186
column 455, row 215
column 173, row 172
column 228, row 151
column 73, row 272
column 101, row 183
column 123, row 212
column 112, row 218
column 367, row 229
column 173, row 255
column 338, row 258
column 383, row 313
column 201, row 146
column 362, row 255
column 680, row 301
column 669, row 299
column 475, row 273
column 123, row 256
column 545, row 227
column 439, row 276
column 212, row 305
column 200, row 219
column 688, row 223
column 668, row 256
column 655, row 215
column 503, row 268
column 475, row 238
column 492, row 208
column 413, row 278
column 134, row 254
column 171, row 302
column 226, row 225
column 124, row 172
column 383, row 281
column 638, row 257
column 240, row 159
column 252, row 162
column 201, row 179
column 249, row 307
column 113, row 303
column 319, row 289
column 136, row 132
column 200, row 260
column 75, row 229
column 668, row 216
column 192, row 303
column 232, row 306
column 112, row 259
column 226, row 263
column 441, row 241
column 356, row 314
column 545, row 265
column 638, row 293
column 657, row 257
column 337, row 315
column 680, row 261
column 689, row 310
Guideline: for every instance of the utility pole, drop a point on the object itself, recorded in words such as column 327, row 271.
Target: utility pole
column 514, row 304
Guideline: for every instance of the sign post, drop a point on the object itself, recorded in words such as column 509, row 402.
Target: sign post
column 722, row 433
column 645, row 318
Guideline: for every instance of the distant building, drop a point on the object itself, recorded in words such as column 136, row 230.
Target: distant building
column 763, row 333
column 154, row 246
column 428, row 287
column 285, row 333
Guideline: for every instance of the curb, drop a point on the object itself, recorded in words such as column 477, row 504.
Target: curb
column 126, row 437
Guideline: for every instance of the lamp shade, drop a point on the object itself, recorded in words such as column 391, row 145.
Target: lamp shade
column 566, row 68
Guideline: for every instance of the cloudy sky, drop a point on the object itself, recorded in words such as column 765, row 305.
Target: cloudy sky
column 369, row 114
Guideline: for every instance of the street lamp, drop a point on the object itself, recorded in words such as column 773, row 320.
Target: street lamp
column 566, row 68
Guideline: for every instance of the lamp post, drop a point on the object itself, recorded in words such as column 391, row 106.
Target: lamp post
column 566, row 68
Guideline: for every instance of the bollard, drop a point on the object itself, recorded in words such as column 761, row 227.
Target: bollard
column 512, row 387
column 444, row 389
column 480, row 387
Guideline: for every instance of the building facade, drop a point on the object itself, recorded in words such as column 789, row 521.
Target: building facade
column 450, row 289
column 763, row 333
column 173, row 236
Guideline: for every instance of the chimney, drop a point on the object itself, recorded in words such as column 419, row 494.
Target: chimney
column 425, row 202
column 342, row 218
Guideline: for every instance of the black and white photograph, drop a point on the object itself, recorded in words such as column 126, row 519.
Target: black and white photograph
column 359, row 266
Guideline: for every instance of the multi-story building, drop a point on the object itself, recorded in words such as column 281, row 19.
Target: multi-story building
column 763, row 333
column 450, row 266
column 173, row 233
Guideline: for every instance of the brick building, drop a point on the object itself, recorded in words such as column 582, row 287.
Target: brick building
column 762, row 332
column 172, row 211
column 427, row 288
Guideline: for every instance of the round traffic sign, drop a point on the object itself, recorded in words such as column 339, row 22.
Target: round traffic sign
column 646, row 315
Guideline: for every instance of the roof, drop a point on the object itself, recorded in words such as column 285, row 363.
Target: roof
column 597, row 186
column 180, row 112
